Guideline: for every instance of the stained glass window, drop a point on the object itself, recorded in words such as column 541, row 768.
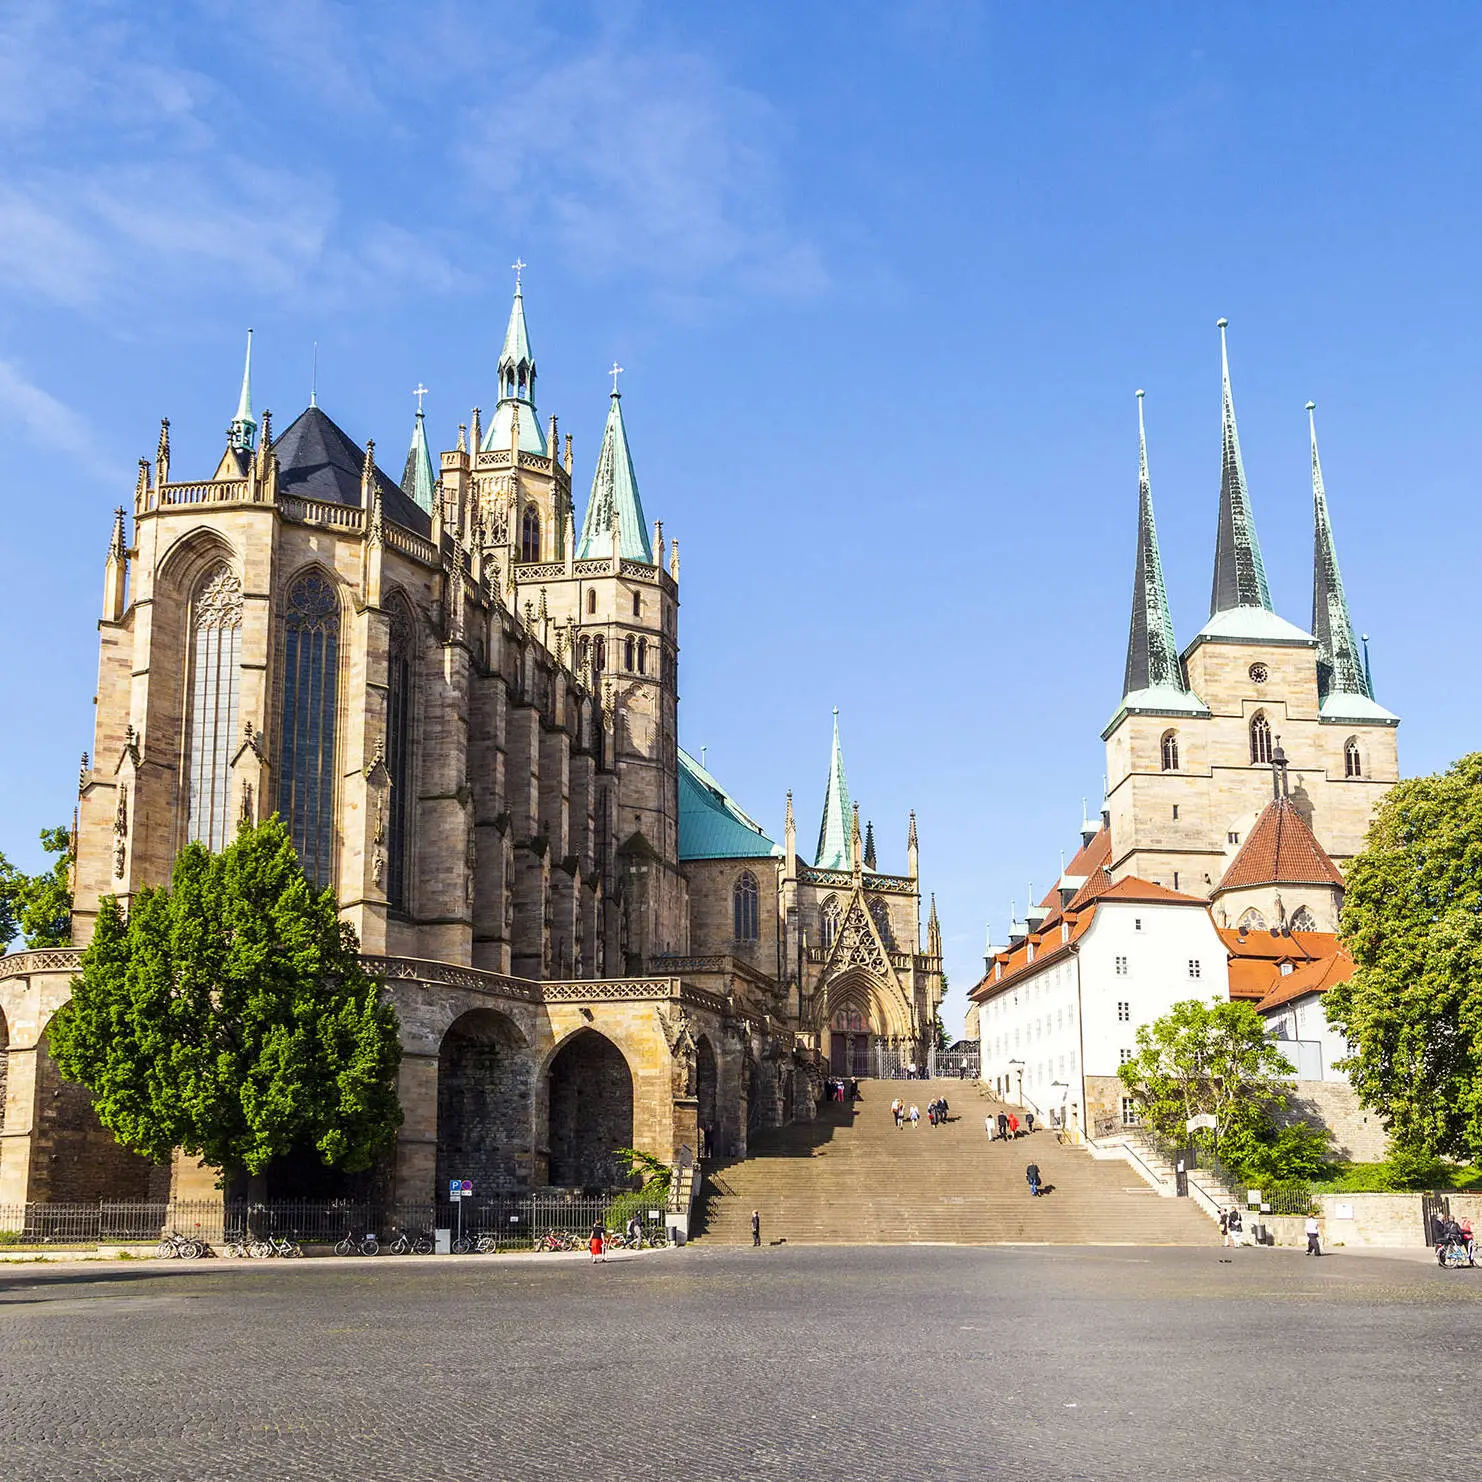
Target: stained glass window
column 398, row 754
column 311, row 655
column 530, row 534
column 745, row 906
column 216, row 652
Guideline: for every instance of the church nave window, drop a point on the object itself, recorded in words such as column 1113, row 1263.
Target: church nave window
column 530, row 535
column 1260, row 739
column 1303, row 920
column 830, row 921
column 1170, row 751
column 216, row 653
column 1251, row 920
column 1353, row 762
column 311, row 664
column 746, row 908
column 398, row 753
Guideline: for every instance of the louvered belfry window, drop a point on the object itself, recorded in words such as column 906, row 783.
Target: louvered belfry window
column 311, row 662
column 216, row 653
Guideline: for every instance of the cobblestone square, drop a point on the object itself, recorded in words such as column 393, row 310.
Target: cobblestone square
column 817, row 1363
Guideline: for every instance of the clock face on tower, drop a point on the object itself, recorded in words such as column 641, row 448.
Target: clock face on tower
column 1259, row 673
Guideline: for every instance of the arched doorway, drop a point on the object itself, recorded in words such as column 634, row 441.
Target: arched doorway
column 483, row 1104
column 591, row 1113
column 849, row 1041
column 706, row 1081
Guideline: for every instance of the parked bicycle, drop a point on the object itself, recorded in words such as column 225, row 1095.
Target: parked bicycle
column 353, row 1245
column 404, row 1244
column 1454, row 1253
column 559, row 1240
column 478, row 1245
column 181, row 1247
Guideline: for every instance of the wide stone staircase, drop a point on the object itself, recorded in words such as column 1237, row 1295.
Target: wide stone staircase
column 850, row 1178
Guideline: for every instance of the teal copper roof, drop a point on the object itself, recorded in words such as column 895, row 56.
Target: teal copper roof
column 711, row 822
column 1340, row 671
column 243, row 427
column 1239, row 572
column 615, row 493
column 418, row 481
column 516, row 388
column 833, row 831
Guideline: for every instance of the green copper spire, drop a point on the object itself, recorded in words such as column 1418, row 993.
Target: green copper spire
column 1239, row 573
column 833, row 832
column 1152, row 652
column 418, row 480
column 1340, row 670
column 243, row 430
column 615, row 494
column 516, row 384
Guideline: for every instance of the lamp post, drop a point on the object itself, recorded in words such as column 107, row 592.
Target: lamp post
column 1018, row 1067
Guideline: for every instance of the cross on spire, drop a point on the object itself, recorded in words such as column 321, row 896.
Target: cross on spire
column 419, row 393
column 519, row 265
column 615, row 372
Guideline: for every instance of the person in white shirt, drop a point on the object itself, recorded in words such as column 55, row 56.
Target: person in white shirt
column 1314, row 1240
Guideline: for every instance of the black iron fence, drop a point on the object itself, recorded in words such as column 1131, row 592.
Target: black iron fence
column 515, row 1221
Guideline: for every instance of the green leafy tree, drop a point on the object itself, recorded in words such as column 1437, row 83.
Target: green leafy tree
column 39, row 906
column 229, row 1016
column 1204, row 1059
column 1412, row 1012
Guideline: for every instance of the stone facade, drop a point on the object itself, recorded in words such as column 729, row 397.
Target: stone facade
column 471, row 731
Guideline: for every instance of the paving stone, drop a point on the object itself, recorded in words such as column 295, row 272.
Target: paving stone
column 859, row 1363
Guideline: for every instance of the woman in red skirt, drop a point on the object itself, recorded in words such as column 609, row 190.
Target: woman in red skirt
column 598, row 1243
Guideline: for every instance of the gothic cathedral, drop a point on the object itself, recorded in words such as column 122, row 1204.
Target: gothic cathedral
column 462, row 698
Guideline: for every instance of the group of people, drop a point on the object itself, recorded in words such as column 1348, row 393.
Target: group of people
column 837, row 1089
column 936, row 1112
column 1007, row 1125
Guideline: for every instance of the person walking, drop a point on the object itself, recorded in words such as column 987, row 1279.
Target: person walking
column 598, row 1243
column 898, row 1111
column 1031, row 1175
column 635, row 1233
column 756, row 1228
column 1029, row 1120
column 1003, row 1126
column 1314, row 1236
column 988, row 1126
column 915, row 1116
column 1013, row 1126
column 1225, row 1239
column 942, row 1110
column 1235, row 1227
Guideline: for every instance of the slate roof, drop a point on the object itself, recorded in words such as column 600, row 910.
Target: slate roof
column 1279, row 850
column 1239, row 572
column 836, row 826
column 711, row 822
column 319, row 460
column 615, row 493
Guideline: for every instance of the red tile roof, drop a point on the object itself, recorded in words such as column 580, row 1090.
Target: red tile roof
column 1149, row 892
column 1312, row 977
column 1280, row 850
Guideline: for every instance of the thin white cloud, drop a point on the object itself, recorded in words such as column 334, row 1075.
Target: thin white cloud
column 646, row 161
column 51, row 424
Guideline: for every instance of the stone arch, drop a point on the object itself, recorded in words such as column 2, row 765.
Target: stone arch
column 589, row 1100
column 883, row 1016
column 484, row 1085
column 191, row 556
column 707, row 1086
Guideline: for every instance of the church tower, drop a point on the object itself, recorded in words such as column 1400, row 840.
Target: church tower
column 1189, row 748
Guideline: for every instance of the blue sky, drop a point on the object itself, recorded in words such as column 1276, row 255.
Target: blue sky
column 884, row 279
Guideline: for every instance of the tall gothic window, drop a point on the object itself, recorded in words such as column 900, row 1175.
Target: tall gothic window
column 1260, row 739
column 746, row 908
column 398, row 754
column 599, row 653
column 1353, row 762
column 216, row 652
column 830, row 921
column 628, row 653
column 1303, row 920
column 1170, row 751
column 530, row 534
column 311, row 664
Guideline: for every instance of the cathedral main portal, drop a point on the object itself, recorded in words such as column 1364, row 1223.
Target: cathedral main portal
column 850, row 1041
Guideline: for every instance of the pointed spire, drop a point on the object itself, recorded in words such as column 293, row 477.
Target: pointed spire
column 243, row 428
column 856, row 847
column 833, row 840
column 162, row 455
column 1340, row 668
column 1152, row 651
column 615, row 498
column 1239, row 573
column 869, row 845
column 418, row 479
